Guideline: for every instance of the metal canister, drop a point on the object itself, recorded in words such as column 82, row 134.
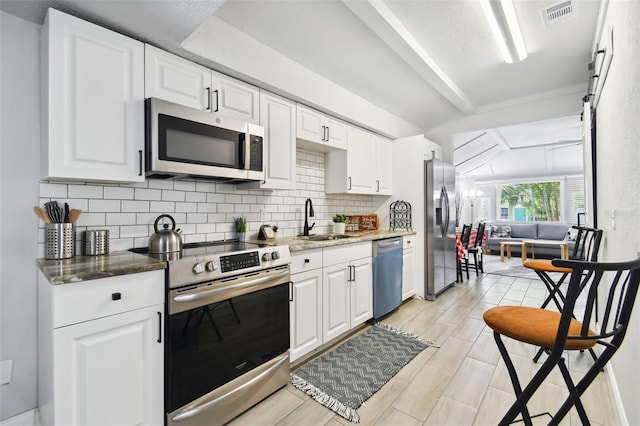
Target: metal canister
column 95, row 242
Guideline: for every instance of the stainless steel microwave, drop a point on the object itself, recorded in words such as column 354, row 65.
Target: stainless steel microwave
column 184, row 141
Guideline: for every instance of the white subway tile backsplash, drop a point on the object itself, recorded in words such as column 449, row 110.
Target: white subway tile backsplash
column 86, row 191
column 135, row 206
column 53, row 190
column 120, row 219
column 186, row 207
column 162, row 206
column 203, row 210
column 197, row 218
column 104, row 206
column 160, row 183
column 207, row 208
column 184, row 185
column 147, row 194
column 173, row 195
column 118, row 193
column 195, row 197
column 132, row 231
column 91, row 219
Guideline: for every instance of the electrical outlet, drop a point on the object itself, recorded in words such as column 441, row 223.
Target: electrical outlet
column 6, row 367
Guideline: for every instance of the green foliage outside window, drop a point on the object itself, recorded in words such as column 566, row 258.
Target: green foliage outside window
column 540, row 200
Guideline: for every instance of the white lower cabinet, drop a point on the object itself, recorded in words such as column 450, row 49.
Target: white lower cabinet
column 332, row 293
column 347, row 294
column 103, row 363
column 306, row 304
column 408, row 266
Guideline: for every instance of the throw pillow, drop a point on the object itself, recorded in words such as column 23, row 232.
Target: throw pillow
column 572, row 234
column 501, row 231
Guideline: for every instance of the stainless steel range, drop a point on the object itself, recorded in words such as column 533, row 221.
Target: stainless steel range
column 227, row 329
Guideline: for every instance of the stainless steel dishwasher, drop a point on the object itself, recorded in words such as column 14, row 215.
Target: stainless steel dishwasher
column 387, row 275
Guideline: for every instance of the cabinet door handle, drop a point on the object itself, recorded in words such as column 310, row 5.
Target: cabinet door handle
column 116, row 296
column 327, row 134
column 378, row 186
column 140, row 162
column 208, row 89
column 349, row 185
column 290, row 291
column 217, row 103
column 323, row 132
column 159, row 327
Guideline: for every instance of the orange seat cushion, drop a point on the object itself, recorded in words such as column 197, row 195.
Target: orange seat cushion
column 534, row 325
column 545, row 265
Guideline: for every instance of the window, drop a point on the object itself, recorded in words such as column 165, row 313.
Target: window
column 538, row 201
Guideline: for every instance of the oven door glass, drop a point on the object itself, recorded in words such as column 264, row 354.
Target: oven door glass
column 187, row 141
column 210, row 345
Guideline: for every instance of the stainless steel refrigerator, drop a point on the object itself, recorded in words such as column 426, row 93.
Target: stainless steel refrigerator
column 440, row 227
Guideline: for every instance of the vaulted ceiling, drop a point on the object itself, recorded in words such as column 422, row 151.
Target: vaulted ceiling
column 429, row 62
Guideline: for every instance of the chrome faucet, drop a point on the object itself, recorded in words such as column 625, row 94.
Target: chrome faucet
column 308, row 212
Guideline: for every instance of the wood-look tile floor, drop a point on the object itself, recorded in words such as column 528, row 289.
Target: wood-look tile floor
column 464, row 382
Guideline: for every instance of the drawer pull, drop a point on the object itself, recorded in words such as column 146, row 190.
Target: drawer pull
column 307, row 261
column 116, row 296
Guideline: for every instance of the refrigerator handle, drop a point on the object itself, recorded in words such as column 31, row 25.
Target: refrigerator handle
column 445, row 224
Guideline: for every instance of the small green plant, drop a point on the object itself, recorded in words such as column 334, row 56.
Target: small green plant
column 240, row 224
column 340, row 218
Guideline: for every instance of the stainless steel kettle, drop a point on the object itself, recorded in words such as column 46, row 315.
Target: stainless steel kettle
column 165, row 240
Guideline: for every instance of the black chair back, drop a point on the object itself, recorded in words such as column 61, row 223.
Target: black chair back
column 480, row 235
column 465, row 235
column 587, row 244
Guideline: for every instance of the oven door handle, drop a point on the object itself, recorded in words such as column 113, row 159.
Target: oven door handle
column 208, row 293
column 191, row 411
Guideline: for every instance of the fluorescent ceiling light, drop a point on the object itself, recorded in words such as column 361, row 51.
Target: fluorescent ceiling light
column 504, row 25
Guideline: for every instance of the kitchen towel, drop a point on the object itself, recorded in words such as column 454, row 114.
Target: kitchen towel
column 343, row 379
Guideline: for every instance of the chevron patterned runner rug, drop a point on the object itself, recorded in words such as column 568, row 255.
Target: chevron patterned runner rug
column 343, row 379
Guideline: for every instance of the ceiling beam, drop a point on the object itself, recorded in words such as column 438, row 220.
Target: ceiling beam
column 386, row 25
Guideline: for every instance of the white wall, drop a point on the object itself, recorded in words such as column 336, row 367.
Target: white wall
column 19, row 168
column 618, row 157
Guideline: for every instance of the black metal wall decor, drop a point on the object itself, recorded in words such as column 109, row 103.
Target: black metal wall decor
column 400, row 215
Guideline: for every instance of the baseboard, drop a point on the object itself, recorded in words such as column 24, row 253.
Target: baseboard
column 615, row 393
column 27, row 418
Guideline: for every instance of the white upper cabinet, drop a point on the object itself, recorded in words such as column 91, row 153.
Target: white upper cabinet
column 278, row 117
column 175, row 79
column 383, row 165
column 319, row 132
column 92, row 102
column 234, row 98
column 178, row 80
column 364, row 168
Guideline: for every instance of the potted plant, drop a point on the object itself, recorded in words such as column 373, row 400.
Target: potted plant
column 240, row 225
column 339, row 223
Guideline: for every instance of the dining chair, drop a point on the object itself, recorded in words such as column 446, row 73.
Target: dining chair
column 476, row 250
column 573, row 328
column 464, row 256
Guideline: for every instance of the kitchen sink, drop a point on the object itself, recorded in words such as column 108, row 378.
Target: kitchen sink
column 325, row 237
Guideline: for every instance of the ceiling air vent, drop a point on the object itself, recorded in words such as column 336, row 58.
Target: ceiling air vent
column 557, row 13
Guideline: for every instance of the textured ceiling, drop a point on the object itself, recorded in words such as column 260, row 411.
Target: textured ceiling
column 429, row 62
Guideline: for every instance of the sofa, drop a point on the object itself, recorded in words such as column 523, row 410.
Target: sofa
column 497, row 232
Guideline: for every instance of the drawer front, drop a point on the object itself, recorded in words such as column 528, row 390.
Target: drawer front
column 87, row 300
column 306, row 260
column 408, row 242
column 345, row 253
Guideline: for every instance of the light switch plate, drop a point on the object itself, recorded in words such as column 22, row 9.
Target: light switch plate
column 6, row 367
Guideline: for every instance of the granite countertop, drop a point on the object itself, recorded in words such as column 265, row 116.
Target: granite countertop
column 84, row 268
column 301, row 243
